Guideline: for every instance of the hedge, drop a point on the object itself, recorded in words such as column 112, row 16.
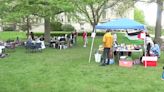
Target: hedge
column 63, row 33
column 67, row 27
column 56, row 26
column 8, row 28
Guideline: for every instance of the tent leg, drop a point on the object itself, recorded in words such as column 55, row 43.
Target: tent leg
column 91, row 50
column 145, row 49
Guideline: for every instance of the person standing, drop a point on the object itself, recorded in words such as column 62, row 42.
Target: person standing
column 85, row 39
column 75, row 36
column 107, row 43
column 32, row 35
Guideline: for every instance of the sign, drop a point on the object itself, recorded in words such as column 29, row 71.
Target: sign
column 141, row 35
column 93, row 35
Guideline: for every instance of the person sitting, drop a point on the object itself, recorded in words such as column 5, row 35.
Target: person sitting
column 2, row 54
column 62, row 38
column 41, row 38
column 29, row 40
column 156, row 50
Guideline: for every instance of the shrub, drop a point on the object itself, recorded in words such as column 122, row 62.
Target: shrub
column 63, row 33
column 56, row 26
column 68, row 27
column 8, row 28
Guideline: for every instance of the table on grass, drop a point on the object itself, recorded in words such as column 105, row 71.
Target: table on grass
column 118, row 51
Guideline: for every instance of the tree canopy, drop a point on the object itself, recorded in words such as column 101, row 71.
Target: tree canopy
column 14, row 10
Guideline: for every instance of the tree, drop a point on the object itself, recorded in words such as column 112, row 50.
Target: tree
column 139, row 16
column 17, row 9
column 91, row 10
column 158, row 21
column 48, row 9
column 123, row 7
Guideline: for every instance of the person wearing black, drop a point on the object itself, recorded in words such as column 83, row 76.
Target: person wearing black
column 32, row 35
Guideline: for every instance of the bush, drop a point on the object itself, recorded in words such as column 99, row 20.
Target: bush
column 52, row 34
column 68, row 27
column 56, row 26
column 8, row 28
column 63, row 33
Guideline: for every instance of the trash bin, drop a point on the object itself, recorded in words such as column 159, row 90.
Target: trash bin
column 97, row 57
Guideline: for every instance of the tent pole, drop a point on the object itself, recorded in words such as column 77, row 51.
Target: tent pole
column 145, row 49
column 91, row 48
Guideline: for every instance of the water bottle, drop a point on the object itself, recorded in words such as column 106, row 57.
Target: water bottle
column 163, row 74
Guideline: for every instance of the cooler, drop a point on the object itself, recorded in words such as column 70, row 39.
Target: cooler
column 150, row 60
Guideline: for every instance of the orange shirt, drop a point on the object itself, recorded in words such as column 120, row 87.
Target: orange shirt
column 108, row 40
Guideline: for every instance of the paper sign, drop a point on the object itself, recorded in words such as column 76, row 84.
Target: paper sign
column 93, row 34
column 141, row 35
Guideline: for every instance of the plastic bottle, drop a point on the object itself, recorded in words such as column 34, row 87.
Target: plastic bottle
column 162, row 74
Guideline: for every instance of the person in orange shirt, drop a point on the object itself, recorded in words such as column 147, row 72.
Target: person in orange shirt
column 107, row 43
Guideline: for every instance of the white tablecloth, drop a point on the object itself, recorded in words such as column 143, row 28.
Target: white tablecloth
column 1, row 48
column 42, row 44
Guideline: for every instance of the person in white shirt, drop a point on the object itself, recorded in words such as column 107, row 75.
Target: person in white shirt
column 149, row 44
column 115, row 39
column 149, row 40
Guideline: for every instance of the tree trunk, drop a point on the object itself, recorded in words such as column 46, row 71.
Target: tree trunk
column 158, row 21
column 47, row 29
column 28, row 26
column 93, row 25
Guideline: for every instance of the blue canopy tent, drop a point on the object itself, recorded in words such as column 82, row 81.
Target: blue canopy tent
column 122, row 23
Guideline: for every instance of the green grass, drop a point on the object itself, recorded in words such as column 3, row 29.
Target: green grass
column 68, row 70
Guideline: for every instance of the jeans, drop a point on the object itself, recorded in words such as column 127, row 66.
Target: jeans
column 106, row 55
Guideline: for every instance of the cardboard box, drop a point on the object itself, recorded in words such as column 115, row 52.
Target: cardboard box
column 125, row 63
column 150, row 60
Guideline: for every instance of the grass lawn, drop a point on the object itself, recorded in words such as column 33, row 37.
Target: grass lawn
column 12, row 35
column 68, row 70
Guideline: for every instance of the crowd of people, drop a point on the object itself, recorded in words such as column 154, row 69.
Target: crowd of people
column 59, row 42
column 35, row 42
column 66, row 41
column 109, row 41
